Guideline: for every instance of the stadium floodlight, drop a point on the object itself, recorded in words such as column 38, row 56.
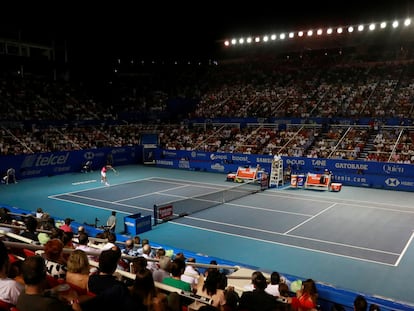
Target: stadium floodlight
column 319, row 32
column 383, row 25
column 233, row 41
column 257, row 39
column 241, row 40
column 300, row 34
column 407, row 22
column 371, row 27
column 395, row 24
column 291, row 34
column 350, row 29
column 360, row 27
column 329, row 31
column 265, row 38
column 339, row 30
column 282, row 36
column 249, row 40
column 227, row 43
column 310, row 33
column 273, row 37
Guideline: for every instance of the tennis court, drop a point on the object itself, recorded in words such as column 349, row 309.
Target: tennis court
column 357, row 239
column 291, row 217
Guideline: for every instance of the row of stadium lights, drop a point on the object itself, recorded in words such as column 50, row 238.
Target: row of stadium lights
column 310, row 33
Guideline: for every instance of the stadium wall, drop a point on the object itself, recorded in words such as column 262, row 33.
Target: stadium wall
column 55, row 163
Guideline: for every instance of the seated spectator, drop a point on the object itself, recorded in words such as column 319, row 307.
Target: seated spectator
column 31, row 226
column 104, row 278
column 191, row 274
column 129, row 248
column 92, row 252
column 9, row 288
column 39, row 212
column 258, row 299
column 250, row 286
column 164, row 269
column 177, row 269
column 306, row 298
column 54, row 260
column 66, row 226
column 48, row 224
column 35, row 297
column 111, row 241
column 145, row 295
column 360, row 303
column 77, row 273
column 273, row 287
column 209, row 287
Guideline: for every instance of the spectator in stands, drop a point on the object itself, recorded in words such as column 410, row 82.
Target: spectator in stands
column 54, row 260
column 209, row 287
column 258, row 299
column 15, row 270
column 138, row 263
column 147, row 254
column 360, row 303
column 111, row 237
column 163, row 270
column 66, row 226
column 47, row 225
column 232, row 299
column 273, row 287
column 306, row 297
column 129, row 248
column 35, row 298
column 9, row 288
column 81, row 229
column 77, row 273
column 39, row 212
column 250, row 286
column 108, row 261
column 191, row 274
column 177, row 269
column 31, row 226
column 92, row 252
column 374, row 307
column 145, row 295
column 137, row 242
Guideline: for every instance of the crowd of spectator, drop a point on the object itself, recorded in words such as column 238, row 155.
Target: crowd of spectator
column 74, row 275
column 39, row 115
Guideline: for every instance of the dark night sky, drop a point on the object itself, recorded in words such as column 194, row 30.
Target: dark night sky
column 184, row 27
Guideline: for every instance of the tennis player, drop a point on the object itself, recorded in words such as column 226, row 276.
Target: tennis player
column 104, row 169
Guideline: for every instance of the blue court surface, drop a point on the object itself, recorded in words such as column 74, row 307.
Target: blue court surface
column 358, row 238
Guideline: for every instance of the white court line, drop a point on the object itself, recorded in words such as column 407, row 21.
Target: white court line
column 104, row 201
column 278, row 243
column 83, row 182
column 309, row 219
column 151, row 193
column 354, row 203
column 404, row 250
column 285, row 193
column 268, row 209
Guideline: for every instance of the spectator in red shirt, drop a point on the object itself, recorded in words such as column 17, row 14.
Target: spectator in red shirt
column 66, row 226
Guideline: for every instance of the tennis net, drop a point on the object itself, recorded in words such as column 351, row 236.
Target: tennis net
column 188, row 206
